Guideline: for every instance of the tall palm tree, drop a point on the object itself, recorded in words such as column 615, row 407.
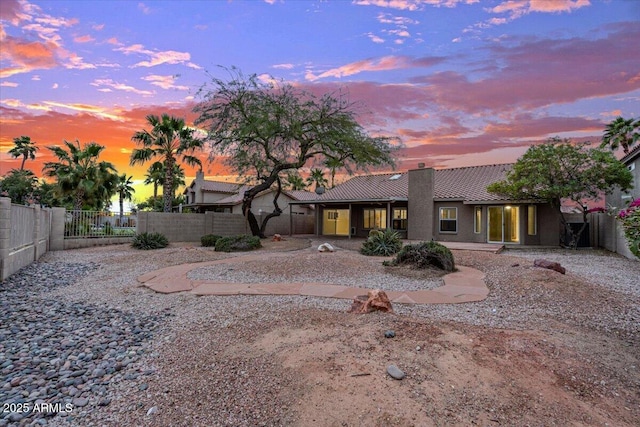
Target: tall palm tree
column 621, row 133
column 125, row 191
column 24, row 148
column 79, row 173
column 155, row 176
column 295, row 181
column 317, row 178
column 168, row 139
column 333, row 164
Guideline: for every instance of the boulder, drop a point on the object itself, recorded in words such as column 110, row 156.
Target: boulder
column 277, row 238
column 375, row 300
column 555, row 266
column 326, row 247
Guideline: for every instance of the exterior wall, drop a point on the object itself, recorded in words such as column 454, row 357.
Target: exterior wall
column 548, row 227
column 176, row 227
column 465, row 224
column 89, row 242
column 223, row 224
column 24, row 235
column 421, row 210
column 300, row 224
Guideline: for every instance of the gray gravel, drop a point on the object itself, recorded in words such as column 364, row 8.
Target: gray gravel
column 77, row 329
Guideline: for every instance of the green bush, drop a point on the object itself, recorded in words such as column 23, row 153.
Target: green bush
column 426, row 255
column 381, row 243
column 149, row 241
column 209, row 239
column 237, row 243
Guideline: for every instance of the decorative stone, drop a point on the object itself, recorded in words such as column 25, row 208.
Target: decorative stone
column 375, row 300
column 152, row 411
column 389, row 334
column 395, row 372
column 276, row 238
column 550, row 265
column 326, row 247
column 80, row 402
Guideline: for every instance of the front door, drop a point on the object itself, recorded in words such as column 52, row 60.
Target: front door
column 335, row 222
column 504, row 224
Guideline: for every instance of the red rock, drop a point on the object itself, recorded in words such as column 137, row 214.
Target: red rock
column 555, row 266
column 375, row 300
column 276, row 238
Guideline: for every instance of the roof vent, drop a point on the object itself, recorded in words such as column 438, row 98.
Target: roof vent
column 396, row 176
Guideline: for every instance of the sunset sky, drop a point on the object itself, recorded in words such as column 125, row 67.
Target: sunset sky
column 461, row 82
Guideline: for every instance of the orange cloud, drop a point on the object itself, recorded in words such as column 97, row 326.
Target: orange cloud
column 26, row 56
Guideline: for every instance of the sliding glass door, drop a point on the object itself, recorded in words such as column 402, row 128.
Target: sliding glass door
column 504, row 224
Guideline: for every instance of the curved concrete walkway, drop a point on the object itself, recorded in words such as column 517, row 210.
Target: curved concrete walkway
column 465, row 285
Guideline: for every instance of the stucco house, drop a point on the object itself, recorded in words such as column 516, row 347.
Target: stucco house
column 205, row 195
column 445, row 205
column 611, row 235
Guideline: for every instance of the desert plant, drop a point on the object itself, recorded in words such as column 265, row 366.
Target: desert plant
column 426, row 255
column 381, row 243
column 148, row 241
column 238, row 243
column 209, row 239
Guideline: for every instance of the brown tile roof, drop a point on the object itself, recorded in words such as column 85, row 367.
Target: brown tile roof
column 467, row 183
column 371, row 187
column 220, row 187
column 301, row 195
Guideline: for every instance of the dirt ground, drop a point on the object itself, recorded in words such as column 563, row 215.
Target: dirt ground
column 326, row 368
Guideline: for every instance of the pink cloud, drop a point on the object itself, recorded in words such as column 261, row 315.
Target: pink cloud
column 83, row 39
column 380, row 64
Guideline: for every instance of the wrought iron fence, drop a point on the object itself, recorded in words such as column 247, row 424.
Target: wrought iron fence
column 98, row 224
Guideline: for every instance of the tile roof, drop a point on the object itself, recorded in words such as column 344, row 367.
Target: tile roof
column 467, row 183
column 220, row 187
column 371, row 187
column 301, row 195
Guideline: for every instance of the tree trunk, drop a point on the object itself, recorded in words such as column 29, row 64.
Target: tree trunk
column 24, row 159
column 167, row 190
column 121, row 200
column 276, row 212
column 155, row 189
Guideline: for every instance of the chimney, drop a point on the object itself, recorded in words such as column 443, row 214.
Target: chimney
column 199, row 176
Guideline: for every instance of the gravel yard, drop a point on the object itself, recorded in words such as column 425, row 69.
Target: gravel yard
column 77, row 331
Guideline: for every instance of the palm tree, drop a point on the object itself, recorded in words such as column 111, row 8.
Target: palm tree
column 295, row 181
column 155, row 176
column 79, row 174
column 125, row 191
column 169, row 138
column 317, row 178
column 621, row 133
column 333, row 164
column 23, row 148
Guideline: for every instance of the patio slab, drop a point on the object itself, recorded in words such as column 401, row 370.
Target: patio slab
column 465, row 285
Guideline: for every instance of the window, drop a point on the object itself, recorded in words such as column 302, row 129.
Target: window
column 375, row 218
column 532, row 221
column 477, row 220
column 399, row 218
column 449, row 220
column 332, row 215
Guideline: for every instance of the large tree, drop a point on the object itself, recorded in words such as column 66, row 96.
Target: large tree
column 24, row 148
column 171, row 140
column 265, row 130
column 19, row 185
column 79, row 173
column 621, row 133
column 125, row 191
column 560, row 169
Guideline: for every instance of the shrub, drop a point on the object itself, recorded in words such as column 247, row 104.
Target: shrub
column 237, row 243
column 381, row 243
column 149, row 241
column 209, row 239
column 426, row 255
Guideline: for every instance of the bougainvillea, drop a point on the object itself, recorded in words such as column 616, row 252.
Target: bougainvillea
column 630, row 219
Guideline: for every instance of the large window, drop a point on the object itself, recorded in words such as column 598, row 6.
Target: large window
column 448, row 220
column 531, row 220
column 399, row 218
column 375, row 218
column 477, row 219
